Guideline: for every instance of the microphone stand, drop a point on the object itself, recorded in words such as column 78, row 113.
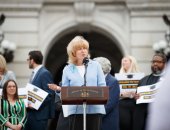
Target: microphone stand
column 84, row 102
column 85, row 81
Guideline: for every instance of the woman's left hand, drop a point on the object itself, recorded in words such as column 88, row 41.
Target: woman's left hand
column 54, row 87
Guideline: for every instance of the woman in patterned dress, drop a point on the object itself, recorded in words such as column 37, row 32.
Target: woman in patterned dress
column 12, row 110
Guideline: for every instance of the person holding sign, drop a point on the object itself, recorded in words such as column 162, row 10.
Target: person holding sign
column 159, row 118
column 41, row 77
column 12, row 111
column 127, row 103
column 158, row 64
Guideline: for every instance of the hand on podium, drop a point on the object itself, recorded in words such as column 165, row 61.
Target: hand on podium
column 54, row 87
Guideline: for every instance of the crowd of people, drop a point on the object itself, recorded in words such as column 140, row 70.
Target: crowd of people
column 119, row 113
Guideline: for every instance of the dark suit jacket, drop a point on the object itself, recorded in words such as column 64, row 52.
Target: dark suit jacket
column 110, row 121
column 47, row 108
column 141, row 110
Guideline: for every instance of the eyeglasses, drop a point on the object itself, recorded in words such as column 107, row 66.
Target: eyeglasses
column 11, row 86
column 157, row 61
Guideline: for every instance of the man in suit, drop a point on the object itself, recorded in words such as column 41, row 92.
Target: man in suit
column 159, row 118
column 158, row 65
column 41, row 77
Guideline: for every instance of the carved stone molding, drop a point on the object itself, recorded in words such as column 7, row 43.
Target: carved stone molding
column 148, row 5
column 84, row 11
column 21, row 5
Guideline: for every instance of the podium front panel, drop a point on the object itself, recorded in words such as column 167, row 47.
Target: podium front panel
column 90, row 95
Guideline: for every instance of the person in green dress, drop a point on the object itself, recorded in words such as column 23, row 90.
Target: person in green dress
column 12, row 109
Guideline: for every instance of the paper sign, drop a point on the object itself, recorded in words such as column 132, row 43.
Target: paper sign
column 128, row 81
column 147, row 93
column 36, row 96
column 22, row 93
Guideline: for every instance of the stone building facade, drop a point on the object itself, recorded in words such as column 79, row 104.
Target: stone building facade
column 114, row 28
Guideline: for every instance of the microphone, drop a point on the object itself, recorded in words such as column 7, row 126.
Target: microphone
column 85, row 60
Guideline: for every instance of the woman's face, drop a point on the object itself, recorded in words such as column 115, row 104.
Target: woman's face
column 11, row 88
column 81, row 53
column 126, row 63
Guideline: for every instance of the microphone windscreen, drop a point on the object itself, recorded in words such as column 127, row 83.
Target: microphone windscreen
column 85, row 60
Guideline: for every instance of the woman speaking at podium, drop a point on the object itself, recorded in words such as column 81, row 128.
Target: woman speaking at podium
column 82, row 71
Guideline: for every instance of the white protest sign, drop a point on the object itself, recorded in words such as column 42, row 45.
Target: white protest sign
column 128, row 81
column 36, row 96
column 147, row 93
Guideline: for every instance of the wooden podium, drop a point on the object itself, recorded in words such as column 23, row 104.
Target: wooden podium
column 84, row 95
column 90, row 95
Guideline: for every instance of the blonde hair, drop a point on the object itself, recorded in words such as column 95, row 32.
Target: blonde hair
column 133, row 66
column 75, row 44
column 3, row 63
